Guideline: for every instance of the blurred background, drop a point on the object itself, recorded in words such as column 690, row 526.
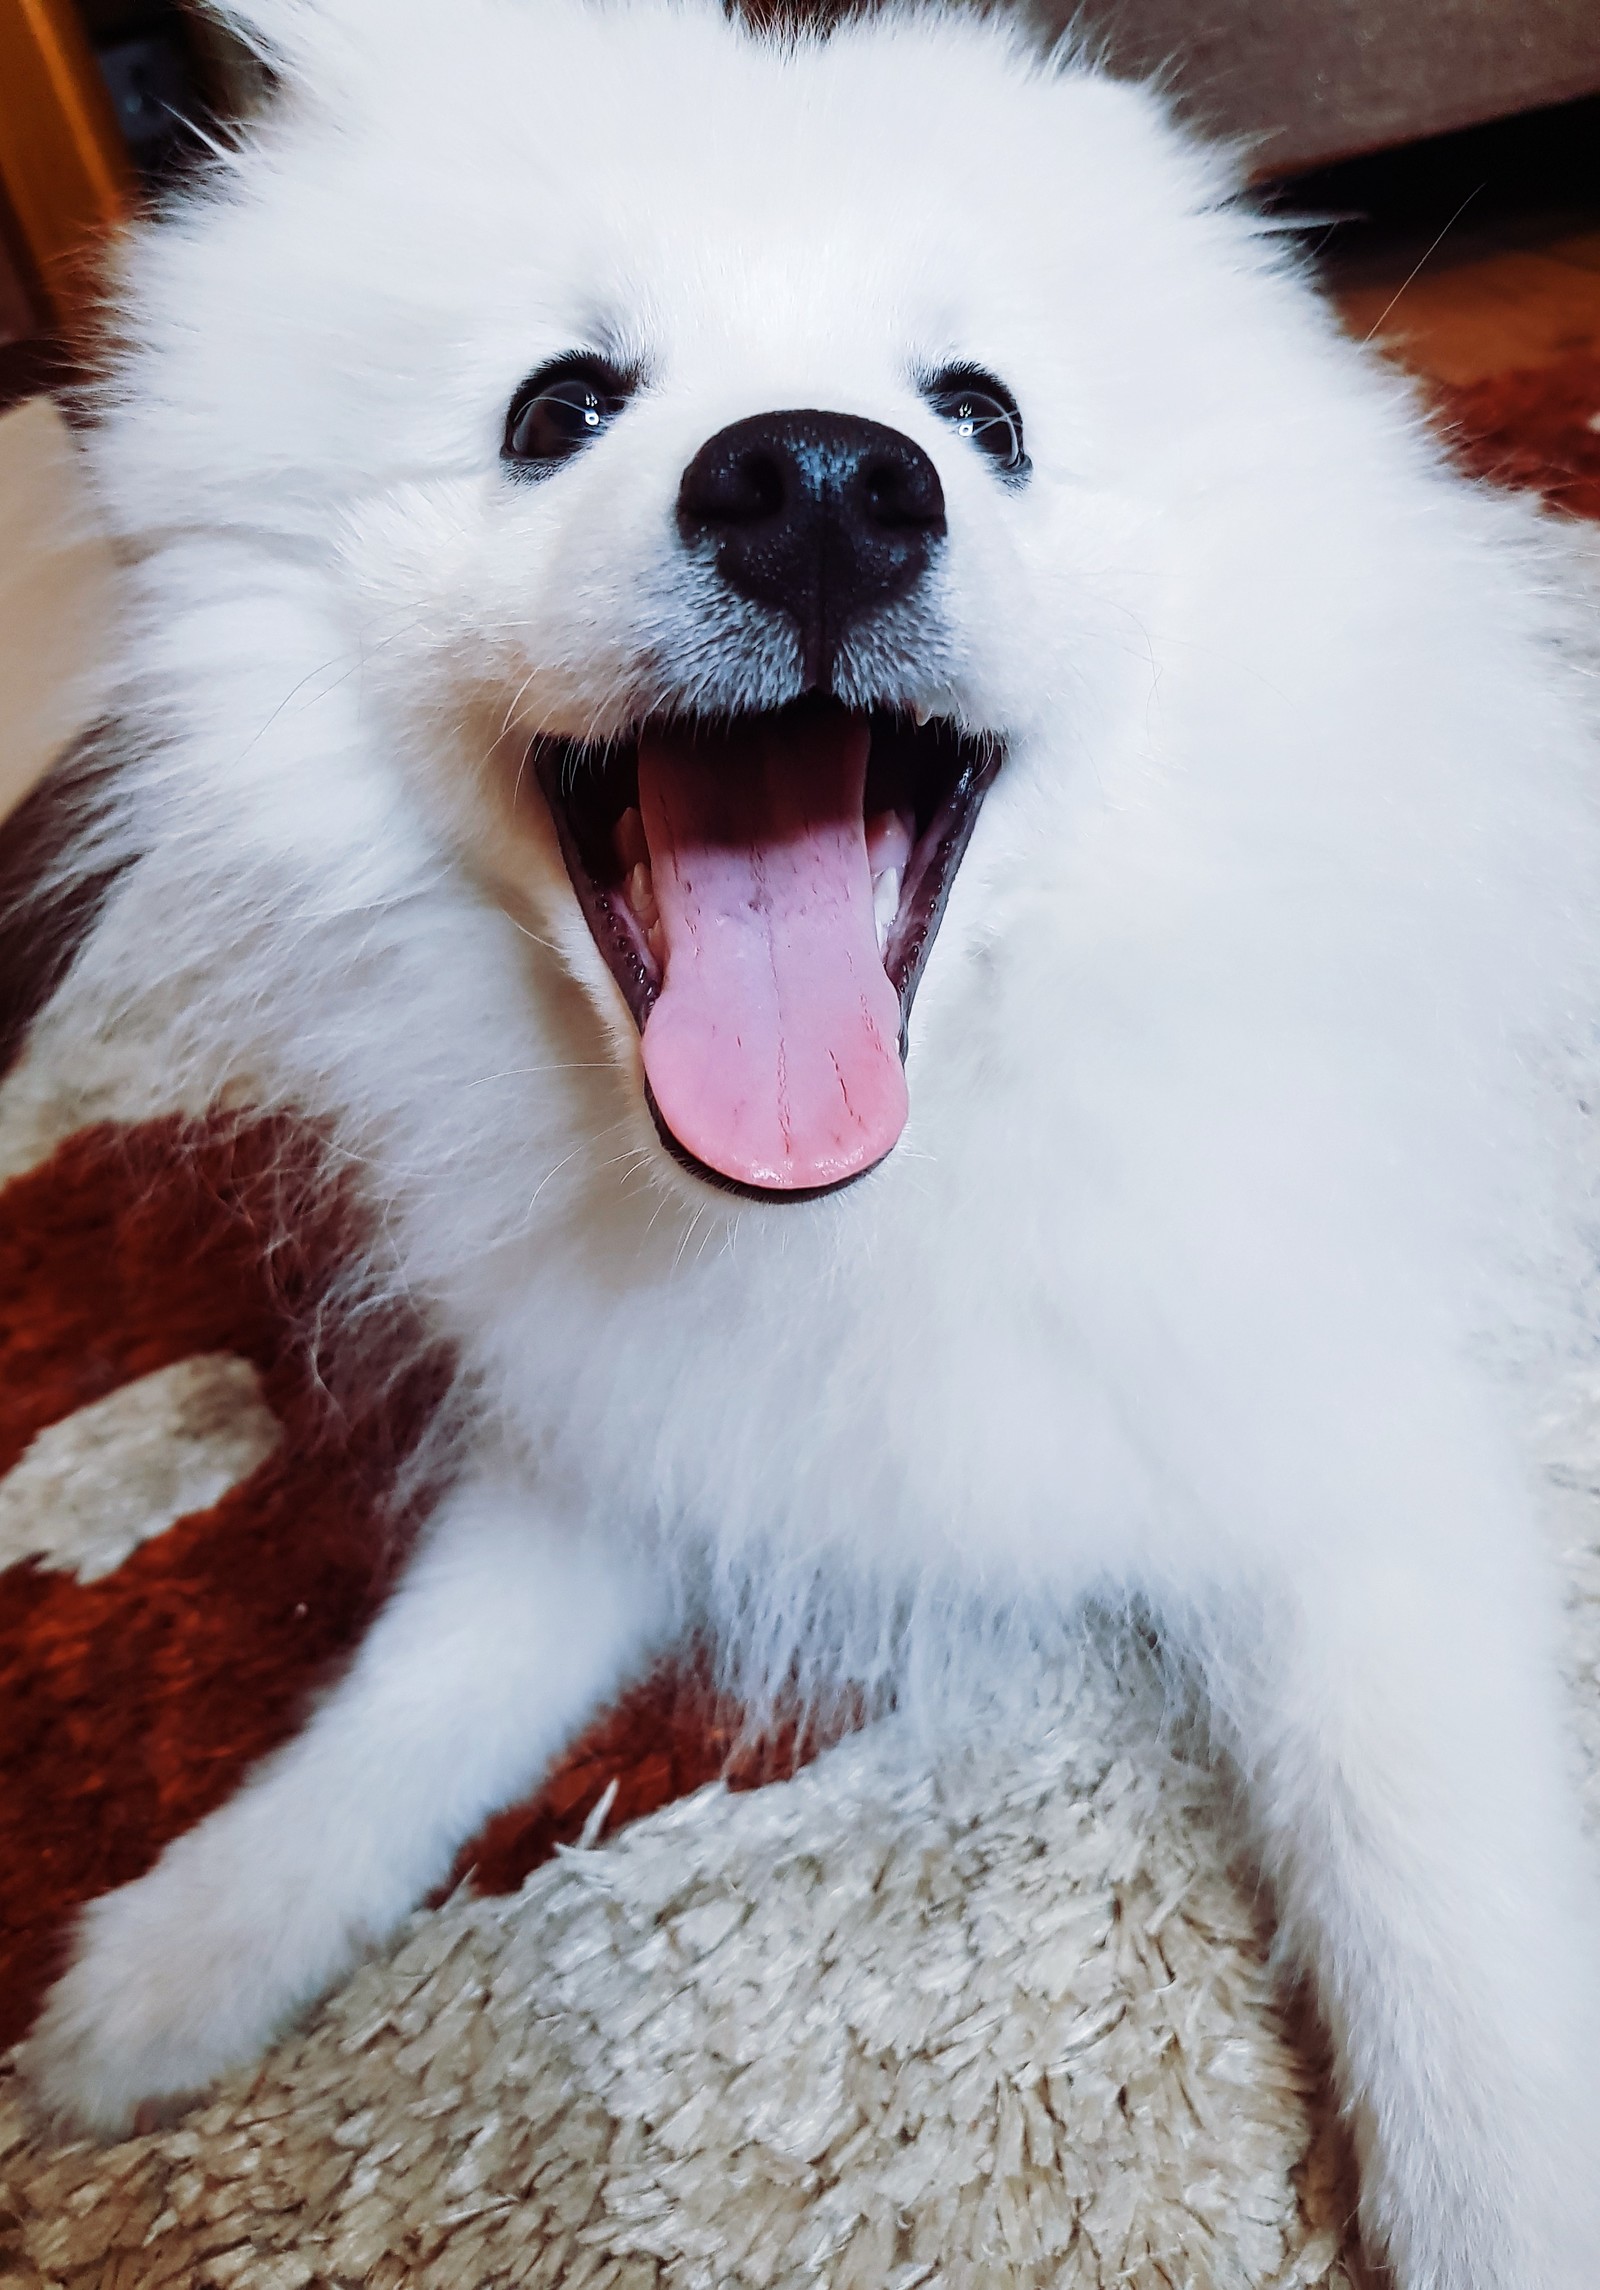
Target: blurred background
column 1386, row 114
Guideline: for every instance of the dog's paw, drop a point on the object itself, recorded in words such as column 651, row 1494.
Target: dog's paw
column 165, row 1993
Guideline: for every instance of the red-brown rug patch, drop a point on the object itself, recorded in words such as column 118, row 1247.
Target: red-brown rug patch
column 1538, row 430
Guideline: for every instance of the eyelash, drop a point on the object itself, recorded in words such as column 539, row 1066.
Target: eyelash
column 980, row 408
column 595, row 392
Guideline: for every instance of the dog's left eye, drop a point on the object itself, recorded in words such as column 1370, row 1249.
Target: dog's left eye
column 559, row 409
column 982, row 409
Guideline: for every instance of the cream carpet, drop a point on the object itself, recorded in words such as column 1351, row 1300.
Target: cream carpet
column 1001, row 2022
column 58, row 595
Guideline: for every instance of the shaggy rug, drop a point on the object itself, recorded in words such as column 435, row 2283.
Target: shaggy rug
column 703, row 2014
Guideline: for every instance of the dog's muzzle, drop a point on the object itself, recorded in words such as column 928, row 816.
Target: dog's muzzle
column 822, row 517
column 765, row 883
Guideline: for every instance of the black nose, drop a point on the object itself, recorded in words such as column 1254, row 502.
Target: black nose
column 819, row 514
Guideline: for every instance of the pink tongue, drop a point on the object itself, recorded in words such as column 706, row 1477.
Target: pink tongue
column 773, row 1049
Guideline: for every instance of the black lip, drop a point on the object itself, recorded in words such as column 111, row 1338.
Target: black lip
column 934, row 770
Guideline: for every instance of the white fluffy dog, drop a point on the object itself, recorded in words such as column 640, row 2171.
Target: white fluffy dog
column 655, row 544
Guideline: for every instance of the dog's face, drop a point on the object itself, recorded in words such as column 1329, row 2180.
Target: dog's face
column 724, row 455
column 748, row 540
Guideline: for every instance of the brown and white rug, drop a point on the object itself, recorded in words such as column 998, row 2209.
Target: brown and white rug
column 1003, row 2018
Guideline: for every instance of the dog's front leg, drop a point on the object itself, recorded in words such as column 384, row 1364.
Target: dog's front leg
column 1400, row 1734
column 503, row 1634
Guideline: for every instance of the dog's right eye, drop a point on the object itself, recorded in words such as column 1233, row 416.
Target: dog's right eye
column 982, row 410
column 559, row 409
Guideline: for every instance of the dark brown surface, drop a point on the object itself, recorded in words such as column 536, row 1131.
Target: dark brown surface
column 64, row 169
column 29, row 369
column 19, row 320
column 1314, row 80
column 43, row 921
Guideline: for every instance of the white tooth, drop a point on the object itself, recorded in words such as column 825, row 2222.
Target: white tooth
column 655, row 939
column 628, row 838
column 921, row 713
column 642, row 894
column 885, row 902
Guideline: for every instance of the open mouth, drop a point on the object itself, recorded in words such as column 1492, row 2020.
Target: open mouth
column 766, row 889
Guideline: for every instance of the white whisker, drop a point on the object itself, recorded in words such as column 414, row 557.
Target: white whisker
column 518, row 1072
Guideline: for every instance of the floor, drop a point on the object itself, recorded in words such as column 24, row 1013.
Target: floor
column 1471, row 306
column 1468, row 314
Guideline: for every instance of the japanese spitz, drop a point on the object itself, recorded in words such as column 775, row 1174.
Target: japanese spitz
column 943, row 885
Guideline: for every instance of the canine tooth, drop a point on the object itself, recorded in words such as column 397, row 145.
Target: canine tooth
column 628, row 839
column 889, row 836
column 921, row 713
column 885, row 903
column 642, row 895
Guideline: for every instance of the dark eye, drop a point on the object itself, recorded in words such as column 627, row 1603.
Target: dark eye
column 560, row 408
column 982, row 409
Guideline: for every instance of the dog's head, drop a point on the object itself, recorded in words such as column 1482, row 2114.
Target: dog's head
column 726, row 450
column 762, row 763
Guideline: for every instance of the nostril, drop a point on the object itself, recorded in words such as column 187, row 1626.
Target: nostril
column 900, row 492
column 760, row 488
column 787, row 470
column 721, row 490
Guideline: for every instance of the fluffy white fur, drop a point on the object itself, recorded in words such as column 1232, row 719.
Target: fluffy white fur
column 1242, row 1154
